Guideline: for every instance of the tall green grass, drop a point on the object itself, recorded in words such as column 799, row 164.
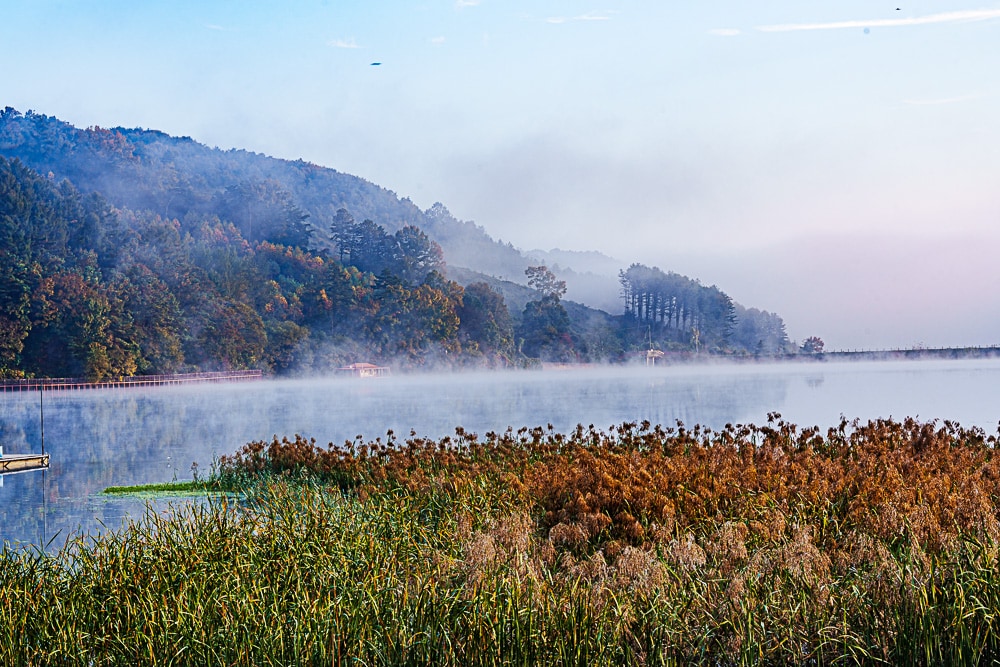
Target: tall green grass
column 454, row 553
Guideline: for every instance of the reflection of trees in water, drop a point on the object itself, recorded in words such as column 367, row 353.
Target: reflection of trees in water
column 738, row 399
column 13, row 438
column 20, row 423
column 34, row 512
column 22, row 507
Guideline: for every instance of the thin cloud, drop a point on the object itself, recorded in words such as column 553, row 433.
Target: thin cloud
column 595, row 16
column 219, row 28
column 724, row 32
column 461, row 4
column 589, row 16
column 943, row 100
column 343, row 43
column 945, row 17
column 437, row 41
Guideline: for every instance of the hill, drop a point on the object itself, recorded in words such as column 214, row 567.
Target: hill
column 177, row 177
column 287, row 265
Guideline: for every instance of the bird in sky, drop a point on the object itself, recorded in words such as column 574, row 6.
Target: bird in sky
column 376, row 64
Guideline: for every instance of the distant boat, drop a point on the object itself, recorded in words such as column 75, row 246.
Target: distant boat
column 363, row 370
column 652, row 354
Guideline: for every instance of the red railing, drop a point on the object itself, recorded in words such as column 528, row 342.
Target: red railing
column 59, row 384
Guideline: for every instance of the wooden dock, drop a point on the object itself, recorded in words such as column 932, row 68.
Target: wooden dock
column 64, row 384
column 22, row 462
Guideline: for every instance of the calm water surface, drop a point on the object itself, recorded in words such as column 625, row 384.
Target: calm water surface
column 117, row 437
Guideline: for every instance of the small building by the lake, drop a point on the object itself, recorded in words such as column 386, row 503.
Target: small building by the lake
column 363, row 370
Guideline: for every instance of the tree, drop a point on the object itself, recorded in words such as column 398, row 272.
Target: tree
column 85, row 330
column 673, row 306
column 284, row 340
column 812, row 345
column 264, row 211
column 759, row 332
column 17, row 283
column 373, row 249
column 158, row 320
column 485, row 325
column 232, row 336
column 414, row 321
column 544, row 281
column 544, row 330
column 415, row 255
column 343, row 233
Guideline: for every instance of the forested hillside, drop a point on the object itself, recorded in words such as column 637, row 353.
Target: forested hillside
column 177, row 177
column 129, row 252
column 87, row 289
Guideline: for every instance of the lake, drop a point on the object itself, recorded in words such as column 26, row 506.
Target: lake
column 111, row 437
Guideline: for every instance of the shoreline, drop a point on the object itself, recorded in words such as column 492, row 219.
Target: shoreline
column 69, row 384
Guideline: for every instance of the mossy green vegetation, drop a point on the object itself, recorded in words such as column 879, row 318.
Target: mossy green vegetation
column 166, row 489
column 872, row 543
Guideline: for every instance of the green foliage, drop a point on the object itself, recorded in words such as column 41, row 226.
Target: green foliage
column 127, row 292
column 157, row 317
column 263, row 210
column 166, row 489
column 760, row 332
column 543, row 280
column 342, row 233
column 84, row 330
column 485, row 326
column 683, row 312
column 545, row 331
column 417, row 323
column 416, row 256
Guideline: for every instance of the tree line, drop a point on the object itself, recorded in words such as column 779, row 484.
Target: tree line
column 91, row 290
column 131, row 252
column 88, row 289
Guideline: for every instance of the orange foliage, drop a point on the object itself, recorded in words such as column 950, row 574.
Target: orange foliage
column 638, row 484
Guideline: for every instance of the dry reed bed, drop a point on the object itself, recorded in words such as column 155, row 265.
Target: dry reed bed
column 871, row 543
column 890, row 480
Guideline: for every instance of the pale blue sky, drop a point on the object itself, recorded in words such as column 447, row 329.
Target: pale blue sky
column 777, row 149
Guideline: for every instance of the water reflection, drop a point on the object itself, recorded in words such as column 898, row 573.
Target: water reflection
column 116, row 437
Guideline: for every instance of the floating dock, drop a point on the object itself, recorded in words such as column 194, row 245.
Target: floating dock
column 22, row 462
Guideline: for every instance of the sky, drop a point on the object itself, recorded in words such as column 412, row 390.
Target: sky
column 834, row 162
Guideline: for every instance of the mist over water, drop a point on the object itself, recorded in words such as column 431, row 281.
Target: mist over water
column 118, row 437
